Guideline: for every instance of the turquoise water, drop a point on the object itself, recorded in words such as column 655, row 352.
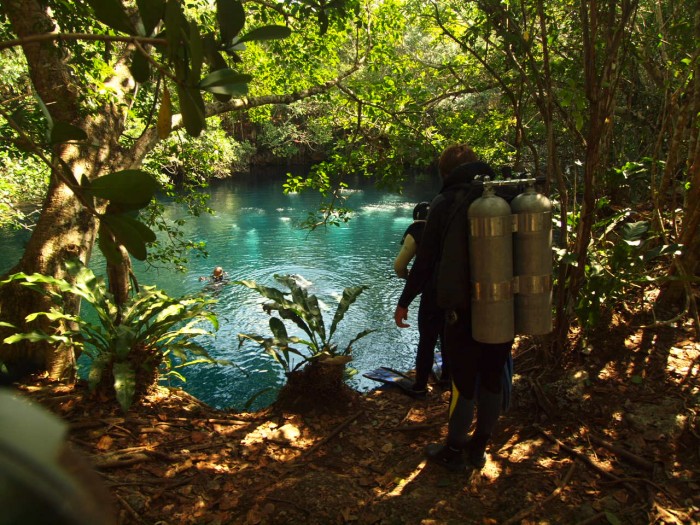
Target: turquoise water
column 255, row 235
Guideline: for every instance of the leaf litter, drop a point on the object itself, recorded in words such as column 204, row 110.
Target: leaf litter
column 581, row 444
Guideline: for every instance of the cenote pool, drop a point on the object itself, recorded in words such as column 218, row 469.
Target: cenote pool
column 254, row 235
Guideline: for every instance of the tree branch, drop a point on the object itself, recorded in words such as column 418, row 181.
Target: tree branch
column 49, row 37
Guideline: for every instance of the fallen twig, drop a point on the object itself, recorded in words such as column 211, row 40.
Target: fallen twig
column 409, row 428
column 335, row 432
column 541, row 397
column 405, row 418
column 121, row 462
column 129, row 509
column 524, row 513
column 624, row 454
column 576, row 454
column 585, row 459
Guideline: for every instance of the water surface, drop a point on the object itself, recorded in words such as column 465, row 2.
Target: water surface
column 254, row 235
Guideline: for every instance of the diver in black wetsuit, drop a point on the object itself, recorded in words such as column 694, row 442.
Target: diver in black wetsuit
column 430, row 316
column 468, row 358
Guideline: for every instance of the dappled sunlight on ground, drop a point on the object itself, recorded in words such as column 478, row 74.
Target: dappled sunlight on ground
column 587, row 444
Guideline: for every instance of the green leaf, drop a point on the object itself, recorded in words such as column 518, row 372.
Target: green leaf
column 231, row 17
column 612, row 518
column 278, row 329
column 291, row 315
column 229, row 90
column 151, row 11
column 35, row 337
column 267, row 292
column 111, row 13
column 192, row 109
column 124, row 384
column 64, row 132
column 107, row 246
column 272, row 32
column 97, row 369
column 222, row 77
column 146, row 233
column 196, row 51
column 636, row 380
column 633, row 231
column 350, row 295
column 225, row 82
column 176, row 26
column 126, row 233
column 127, row 186
column 140, row 67
column 359, row 336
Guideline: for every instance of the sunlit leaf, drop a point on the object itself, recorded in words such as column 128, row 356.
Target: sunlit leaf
column 635, row 230
column 124, row 384
column 350, row 295
column 165, row 115
column 221, row 77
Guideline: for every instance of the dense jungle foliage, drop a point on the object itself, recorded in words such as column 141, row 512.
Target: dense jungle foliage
column 106, row 102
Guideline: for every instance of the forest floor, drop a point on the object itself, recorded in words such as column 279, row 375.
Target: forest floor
column 612, row 437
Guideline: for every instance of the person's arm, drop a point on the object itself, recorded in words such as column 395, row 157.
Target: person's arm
column 427, row 255
column 408, row 251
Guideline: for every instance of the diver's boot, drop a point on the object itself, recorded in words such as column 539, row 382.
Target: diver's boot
column 476, row 451
column 447, row 457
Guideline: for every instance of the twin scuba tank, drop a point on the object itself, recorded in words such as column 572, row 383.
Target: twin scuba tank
column 510, row 256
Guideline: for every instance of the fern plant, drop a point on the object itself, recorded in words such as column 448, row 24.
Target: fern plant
column 151, row 333
column 303, row 310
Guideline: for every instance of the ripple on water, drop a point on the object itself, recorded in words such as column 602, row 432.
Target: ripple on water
column 254, row 236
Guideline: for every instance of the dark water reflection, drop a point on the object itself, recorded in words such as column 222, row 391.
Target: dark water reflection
column 255, row 235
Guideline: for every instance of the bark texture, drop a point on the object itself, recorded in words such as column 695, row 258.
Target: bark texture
column 65, row 228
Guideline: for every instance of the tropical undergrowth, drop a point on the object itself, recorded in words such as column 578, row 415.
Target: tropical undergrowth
column 129, row 347
column 314, row 363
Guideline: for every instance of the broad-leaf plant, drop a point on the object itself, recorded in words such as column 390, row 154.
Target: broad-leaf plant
column 304, row 312
column 131, row 344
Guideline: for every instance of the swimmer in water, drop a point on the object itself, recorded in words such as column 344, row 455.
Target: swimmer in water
column 218, row 275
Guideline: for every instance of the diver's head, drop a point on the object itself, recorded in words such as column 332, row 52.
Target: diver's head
column 420, row 212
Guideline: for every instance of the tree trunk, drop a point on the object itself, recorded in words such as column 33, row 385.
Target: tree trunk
column 687, row 265
column 65, row 228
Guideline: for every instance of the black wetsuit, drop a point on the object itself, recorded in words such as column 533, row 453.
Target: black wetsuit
column 468, row 359
column 430, row 323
